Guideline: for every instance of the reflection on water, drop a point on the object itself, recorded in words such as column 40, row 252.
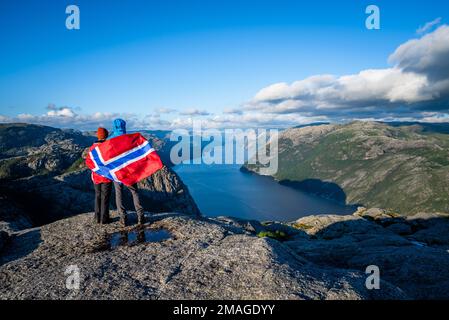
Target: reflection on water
column 225, row 190
column 137, row 236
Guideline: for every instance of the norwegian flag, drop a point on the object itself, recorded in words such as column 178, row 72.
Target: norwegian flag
column 128, row 159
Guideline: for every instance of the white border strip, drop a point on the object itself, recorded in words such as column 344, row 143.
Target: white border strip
column 94, row 162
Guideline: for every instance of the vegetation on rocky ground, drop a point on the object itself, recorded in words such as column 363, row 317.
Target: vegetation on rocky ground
column 278, row 235
column 404, row 168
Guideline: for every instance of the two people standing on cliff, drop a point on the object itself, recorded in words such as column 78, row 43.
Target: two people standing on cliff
column 103, row 185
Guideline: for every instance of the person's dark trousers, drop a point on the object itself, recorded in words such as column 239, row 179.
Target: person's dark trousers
column 102, row 197
column 119, row 187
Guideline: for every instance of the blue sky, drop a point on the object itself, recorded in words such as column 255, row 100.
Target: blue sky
column 200, row 58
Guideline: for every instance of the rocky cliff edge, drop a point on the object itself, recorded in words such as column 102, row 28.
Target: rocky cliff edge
column 177, row 256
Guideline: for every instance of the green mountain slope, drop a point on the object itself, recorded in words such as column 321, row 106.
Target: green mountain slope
column 402, row 168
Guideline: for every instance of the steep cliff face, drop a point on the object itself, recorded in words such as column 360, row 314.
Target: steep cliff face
column 401, row 167
column 43, row 176
column 166, row 192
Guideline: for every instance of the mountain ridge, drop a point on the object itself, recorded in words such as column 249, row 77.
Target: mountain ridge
column 401, row 168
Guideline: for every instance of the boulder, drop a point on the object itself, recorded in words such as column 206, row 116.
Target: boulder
column 374, row 214
column 334, row 226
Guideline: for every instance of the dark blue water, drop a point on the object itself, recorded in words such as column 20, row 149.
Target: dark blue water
column 225, row 190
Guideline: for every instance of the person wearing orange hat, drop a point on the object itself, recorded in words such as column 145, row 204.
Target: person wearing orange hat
column 102, row 185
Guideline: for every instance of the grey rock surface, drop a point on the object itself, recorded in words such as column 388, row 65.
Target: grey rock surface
column 203, row 259
column 417, row 263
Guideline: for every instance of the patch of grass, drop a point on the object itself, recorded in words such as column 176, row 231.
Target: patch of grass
column 76, row 165
column 394, row 214
column 301, row 226
column 278, row 235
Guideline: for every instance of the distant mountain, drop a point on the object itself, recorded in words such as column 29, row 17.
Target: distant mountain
column 29, row 150
column 314, row 124
column 399, row 166
column 425, row 127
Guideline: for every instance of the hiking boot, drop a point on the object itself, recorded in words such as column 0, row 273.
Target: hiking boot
column 141, row 219
column 106, row 220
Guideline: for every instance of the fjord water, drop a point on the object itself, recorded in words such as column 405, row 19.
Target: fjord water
column 225, row 190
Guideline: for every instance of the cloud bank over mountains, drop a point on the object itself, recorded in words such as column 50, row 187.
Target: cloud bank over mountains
column 416, row 84
column 414, row 88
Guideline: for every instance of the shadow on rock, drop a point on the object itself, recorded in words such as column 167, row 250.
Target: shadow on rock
column 20, row 245
column 411, row 252
column 324, row 189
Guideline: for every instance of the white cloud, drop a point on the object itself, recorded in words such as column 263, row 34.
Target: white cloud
column 428, row 55
column 66, row 117
column 63, row 112
column 428, row 26
column 415, row 87
column 194, row 112
column 246, row 120
column 418, row 81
